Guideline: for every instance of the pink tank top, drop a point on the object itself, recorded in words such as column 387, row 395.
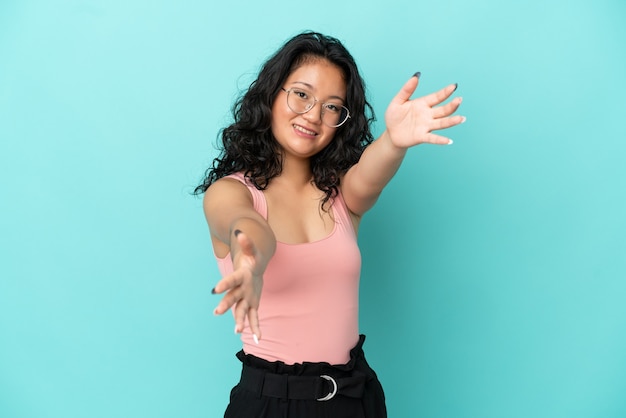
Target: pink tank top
column 309, row 304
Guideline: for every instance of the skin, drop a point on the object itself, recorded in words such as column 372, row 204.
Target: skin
column 293, row 201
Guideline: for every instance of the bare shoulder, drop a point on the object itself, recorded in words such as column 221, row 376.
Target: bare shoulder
column 226, row 203
column 227, row 192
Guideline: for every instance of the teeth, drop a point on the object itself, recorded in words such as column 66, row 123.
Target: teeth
column 306, row 131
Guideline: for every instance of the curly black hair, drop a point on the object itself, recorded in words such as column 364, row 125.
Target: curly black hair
column 248, row 144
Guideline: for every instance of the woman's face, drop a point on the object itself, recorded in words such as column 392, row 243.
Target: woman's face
column 304, row 135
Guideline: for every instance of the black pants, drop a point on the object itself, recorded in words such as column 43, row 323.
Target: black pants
column 308, row 390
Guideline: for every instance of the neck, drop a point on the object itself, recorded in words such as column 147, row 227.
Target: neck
column 296, row 172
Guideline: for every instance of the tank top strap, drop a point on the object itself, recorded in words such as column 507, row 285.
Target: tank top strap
column 258, row 198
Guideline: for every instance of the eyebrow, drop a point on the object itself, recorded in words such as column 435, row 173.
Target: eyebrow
column 313, row 88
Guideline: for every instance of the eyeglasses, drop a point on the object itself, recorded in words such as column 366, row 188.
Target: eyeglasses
column 301, row 101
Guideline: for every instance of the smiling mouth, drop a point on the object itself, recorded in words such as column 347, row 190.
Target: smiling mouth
column 303, row 130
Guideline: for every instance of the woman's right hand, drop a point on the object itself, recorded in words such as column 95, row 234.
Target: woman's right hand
column 243, row 287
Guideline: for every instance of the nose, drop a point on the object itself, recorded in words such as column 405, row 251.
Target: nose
column 314, row 115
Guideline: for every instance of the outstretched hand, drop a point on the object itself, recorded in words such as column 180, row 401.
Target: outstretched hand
column 411, row 122
column 243, row 286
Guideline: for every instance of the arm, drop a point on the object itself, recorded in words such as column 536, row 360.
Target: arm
column 236, row 228
column 409, row 123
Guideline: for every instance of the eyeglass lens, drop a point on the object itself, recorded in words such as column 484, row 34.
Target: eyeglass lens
column 300, row 101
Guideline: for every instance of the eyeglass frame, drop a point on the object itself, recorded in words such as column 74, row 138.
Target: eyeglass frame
column 315, row 101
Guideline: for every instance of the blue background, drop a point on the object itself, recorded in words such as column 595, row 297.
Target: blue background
column 494, row 270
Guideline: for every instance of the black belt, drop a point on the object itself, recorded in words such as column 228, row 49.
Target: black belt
column 321, row 388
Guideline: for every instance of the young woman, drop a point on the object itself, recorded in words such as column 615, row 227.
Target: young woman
column 283, row 202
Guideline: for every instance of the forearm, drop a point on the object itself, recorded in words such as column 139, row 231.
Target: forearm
column 379, row 163
column 363, row 183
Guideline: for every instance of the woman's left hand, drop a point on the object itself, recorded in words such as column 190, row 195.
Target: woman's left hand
column 411, row 122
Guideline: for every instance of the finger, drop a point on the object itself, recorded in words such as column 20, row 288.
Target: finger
column 444, row 123
column 438, row 139
column 406, row 91
column 241, row 309
column 245, row 243
column 229, row 282
column 441, row 95
column 253, row 319
column 227, row 302
column 448, row 108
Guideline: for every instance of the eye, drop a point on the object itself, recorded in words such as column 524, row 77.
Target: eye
column 300, row 94
column 333, row 108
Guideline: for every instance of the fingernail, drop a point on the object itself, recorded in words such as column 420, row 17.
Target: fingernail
column 451, row 142
column 236, row 331
column 237, row 232
column 213, row 291
column 417, row 74
column 456, row 86
column 464, row 119
column 256, row 339
column 215, row 311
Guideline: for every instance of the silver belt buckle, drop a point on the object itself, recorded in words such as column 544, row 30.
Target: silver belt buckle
column 333, row 392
